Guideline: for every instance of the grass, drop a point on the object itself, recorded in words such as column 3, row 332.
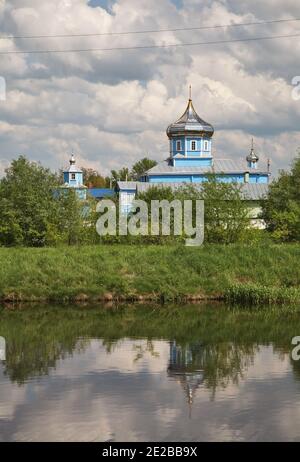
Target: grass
column 239, row 273
column 252, row 294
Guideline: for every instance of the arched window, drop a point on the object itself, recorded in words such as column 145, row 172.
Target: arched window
column 178, row 145
column 193, row 145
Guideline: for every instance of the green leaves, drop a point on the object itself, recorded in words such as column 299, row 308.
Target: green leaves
column 26, row 203
column 282, row 209
column 93, row 179
column 141, row 167
column 35, row 212
column 226, row 214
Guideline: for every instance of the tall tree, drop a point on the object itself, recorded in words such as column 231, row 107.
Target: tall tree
column 26, row 202
column 120, row 175
column 226, row 215
column 35, row 211
column 141, row 167
column 92, row 178
column 281, row 210
column 73, row 221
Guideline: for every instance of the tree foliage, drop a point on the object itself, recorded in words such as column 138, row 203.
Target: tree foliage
column 35, row 211
column 138, row 169
column 225, row 212
column 120, row 175
column 281, row 210
column 26, row 203
column 93, row 179
column 141, row 167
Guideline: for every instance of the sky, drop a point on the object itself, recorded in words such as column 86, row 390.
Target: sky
column 112, row 108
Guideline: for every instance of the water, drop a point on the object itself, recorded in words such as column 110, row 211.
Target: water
column 189, row 373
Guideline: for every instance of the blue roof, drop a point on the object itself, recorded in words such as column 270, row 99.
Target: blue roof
column 250, row 191
column 218, row 166
column 101, row 192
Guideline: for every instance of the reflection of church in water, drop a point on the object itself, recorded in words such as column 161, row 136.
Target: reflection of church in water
column 185, row 367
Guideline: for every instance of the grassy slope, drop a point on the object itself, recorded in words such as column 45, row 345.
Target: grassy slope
column 170, row 271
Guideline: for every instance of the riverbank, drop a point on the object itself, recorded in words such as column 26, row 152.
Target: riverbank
column 252, row 274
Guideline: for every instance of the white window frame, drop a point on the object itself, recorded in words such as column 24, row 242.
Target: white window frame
column 178, row 143
column 193, row 141
column 73, row 176
column 205, row 145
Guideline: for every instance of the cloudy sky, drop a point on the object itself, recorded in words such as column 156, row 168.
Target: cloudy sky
column 112, row 107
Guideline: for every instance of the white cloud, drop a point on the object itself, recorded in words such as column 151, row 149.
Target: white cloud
column 112, row 108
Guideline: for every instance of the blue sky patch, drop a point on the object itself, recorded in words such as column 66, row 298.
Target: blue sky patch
column 106, row 4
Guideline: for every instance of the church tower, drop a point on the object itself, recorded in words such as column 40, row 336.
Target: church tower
column 190, row 139
column 252, row 157
column 73, row 179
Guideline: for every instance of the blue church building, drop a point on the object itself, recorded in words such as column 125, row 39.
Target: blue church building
column 191, row 160
column 73, row 179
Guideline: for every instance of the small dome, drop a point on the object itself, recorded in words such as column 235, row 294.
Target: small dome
column 190, row 123
column 73, row 167
column 252, row 156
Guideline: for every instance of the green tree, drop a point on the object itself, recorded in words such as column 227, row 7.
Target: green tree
column 141, row 167
column 159, row 193
column 35, row 211
column 93, row 179
column 226, row 213
column 73, row 221
column 120, row 175
column 281, row 210
column 124, row 174
column 10, row 230
column 26, row 202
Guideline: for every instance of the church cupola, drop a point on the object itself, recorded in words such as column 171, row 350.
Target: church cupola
column 72, row 160
column 73, row 178
column 73, row 175
column 252, row 157
column 190, row 139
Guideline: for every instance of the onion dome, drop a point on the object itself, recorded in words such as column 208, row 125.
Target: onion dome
column 252, row 156
column 190, row 124
column 73, row 167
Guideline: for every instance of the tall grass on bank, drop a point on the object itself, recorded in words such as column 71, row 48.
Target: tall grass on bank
column 236, row 272
column 253, row 294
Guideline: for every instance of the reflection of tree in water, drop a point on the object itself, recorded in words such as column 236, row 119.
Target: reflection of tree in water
column 37, row 338
column 195, row 364
column 141, row 349
column 36, row 357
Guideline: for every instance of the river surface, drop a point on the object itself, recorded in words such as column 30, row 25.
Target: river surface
column 172, row 373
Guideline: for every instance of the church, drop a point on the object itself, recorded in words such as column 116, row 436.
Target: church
column 73, row 179
column 190, row 161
